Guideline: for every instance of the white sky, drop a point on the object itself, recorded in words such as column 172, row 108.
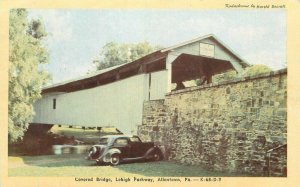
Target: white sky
column 76, row 36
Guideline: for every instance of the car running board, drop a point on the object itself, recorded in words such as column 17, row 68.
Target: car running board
column 130, row 159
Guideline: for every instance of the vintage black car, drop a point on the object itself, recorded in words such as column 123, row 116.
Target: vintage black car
column 114, row 149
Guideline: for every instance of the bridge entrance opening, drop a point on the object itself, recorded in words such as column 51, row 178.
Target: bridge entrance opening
column 186, row 69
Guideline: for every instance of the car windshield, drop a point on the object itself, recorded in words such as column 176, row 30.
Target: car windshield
column 103, row 141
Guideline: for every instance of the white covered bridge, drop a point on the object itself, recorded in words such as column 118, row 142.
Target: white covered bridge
column 115, row 96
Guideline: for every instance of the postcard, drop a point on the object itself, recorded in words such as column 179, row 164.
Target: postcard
column 149, row 93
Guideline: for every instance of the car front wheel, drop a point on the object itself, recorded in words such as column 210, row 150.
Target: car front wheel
column 115, row 159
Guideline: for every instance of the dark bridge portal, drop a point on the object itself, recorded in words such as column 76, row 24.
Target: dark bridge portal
column 189, row 67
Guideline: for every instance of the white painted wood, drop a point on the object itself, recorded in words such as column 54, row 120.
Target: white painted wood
column 158, row 87
column 117, row 104
column 203, row 38
column 221, row 53
column 194, row 49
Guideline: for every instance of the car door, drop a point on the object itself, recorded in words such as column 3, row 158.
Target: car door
column 136, row 147
column 123, row 145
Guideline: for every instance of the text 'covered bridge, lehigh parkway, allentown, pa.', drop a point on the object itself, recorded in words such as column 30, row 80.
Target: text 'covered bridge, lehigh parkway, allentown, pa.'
column 115, row 96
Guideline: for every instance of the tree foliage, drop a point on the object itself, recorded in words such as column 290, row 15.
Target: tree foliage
column 256, row 70
column 249, row 71
column 26, row 53
column 113, row 54
column 229, row 75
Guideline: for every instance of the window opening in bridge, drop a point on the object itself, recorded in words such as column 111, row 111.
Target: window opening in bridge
column 54, row 103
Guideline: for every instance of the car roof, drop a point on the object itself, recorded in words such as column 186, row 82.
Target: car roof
column 118, row 136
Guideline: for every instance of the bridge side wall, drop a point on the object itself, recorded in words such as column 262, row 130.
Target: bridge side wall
column 118, row 104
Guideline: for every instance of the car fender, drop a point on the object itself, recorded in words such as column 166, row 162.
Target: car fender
column 93, row 151
column 107, row 154
column 152, row 150
column 113, row 151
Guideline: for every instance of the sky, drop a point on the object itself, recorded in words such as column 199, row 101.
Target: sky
column 76, row 36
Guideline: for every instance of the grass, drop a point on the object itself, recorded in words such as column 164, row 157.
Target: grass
column 75, row 166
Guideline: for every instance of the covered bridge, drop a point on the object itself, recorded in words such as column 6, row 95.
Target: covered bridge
column 115, row 96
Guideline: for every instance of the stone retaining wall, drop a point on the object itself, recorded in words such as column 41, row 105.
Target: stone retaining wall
column 154, row 120
column 225, row 127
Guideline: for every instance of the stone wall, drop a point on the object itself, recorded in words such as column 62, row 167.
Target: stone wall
column 225, row 127
column 154, row 121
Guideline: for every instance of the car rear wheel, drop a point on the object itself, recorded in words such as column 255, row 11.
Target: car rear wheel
column 115, row 159
column 157, row 156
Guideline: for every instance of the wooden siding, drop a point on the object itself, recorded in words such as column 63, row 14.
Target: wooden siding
column 117, row 104
column 158, row 87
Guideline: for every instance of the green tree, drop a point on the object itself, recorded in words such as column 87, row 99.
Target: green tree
column 229, row 75
column 113, row 54
column 26, row 53
column 249, row 71
column 256, row 70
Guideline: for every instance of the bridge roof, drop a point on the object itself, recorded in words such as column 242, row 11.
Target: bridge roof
column 149, row 63
column 152, row 62
column 243, row 62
